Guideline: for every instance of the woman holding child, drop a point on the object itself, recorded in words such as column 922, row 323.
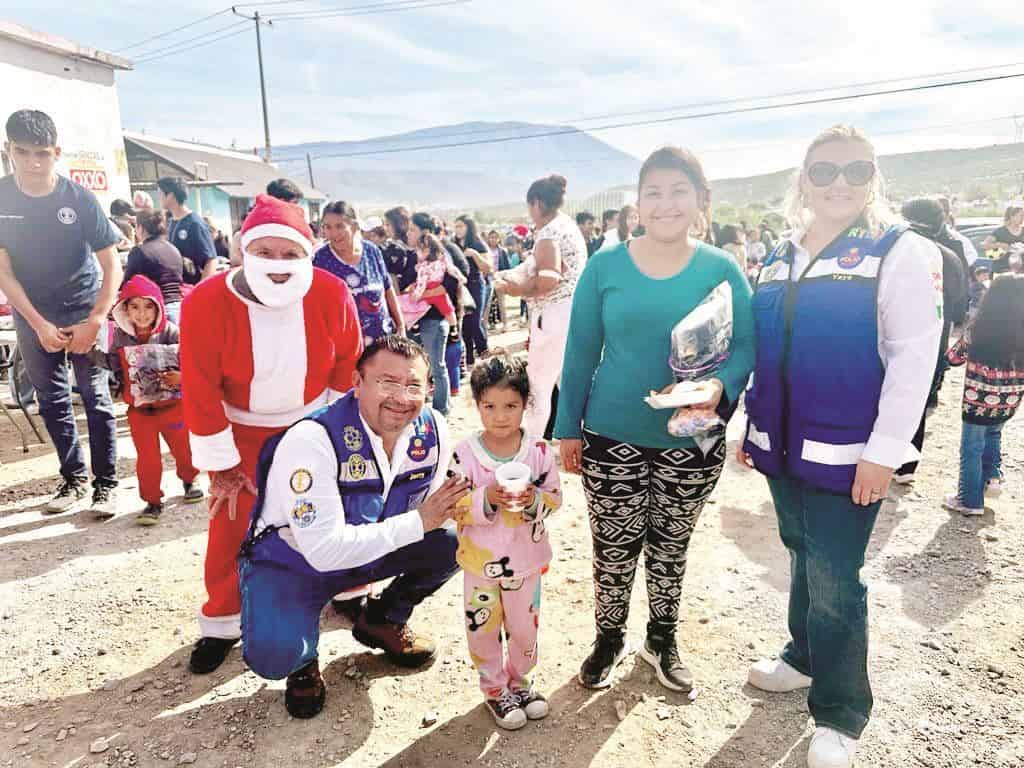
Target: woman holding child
column 645, row 488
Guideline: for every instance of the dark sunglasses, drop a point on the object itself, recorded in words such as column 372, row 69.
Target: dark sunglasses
column 858, row 173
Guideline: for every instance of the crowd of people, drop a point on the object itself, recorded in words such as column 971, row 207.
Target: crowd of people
column 311, row 377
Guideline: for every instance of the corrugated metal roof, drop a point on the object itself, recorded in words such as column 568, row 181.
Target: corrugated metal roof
column 59, row 45
column 249, row 171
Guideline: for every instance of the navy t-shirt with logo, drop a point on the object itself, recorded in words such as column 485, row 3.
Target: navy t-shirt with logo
column 51, row 241
column 192, row 237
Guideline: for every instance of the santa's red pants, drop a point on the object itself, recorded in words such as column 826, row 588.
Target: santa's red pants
column 220, row 615
column 147, row 425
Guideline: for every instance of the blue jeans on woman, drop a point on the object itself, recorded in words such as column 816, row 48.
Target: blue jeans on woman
column 433, row 333
column 827, row 536
column 48, row 372
column 981, row 460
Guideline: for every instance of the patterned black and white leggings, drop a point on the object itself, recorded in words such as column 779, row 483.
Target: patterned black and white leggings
column 643, row 498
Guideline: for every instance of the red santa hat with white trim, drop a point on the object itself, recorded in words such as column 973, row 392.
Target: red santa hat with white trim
column 271, row 217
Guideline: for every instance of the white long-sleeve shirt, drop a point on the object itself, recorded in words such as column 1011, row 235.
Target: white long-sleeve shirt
column 909, row 330
column 312, row 519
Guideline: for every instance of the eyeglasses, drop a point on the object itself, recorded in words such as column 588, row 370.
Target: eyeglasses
column 393, row 388
column 858, row 173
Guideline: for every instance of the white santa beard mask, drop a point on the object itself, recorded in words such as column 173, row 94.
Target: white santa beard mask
column 257, row 274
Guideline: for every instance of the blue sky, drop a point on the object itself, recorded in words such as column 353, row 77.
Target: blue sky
column 558, row 61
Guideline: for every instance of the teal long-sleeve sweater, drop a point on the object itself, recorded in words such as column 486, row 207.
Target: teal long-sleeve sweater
column 620, row 340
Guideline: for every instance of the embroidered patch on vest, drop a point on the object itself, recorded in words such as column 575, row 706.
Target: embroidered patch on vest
column 353, row 439
column 301, row 481
column 356, row 467
column 417, row 450
column 852, row 258
column 303, row 513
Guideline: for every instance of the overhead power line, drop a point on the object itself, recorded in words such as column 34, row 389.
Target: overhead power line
column 169, row 32
column 182, row 44
column 370, row 11
column 492, row 130
column 175, row 51
column 674, row 118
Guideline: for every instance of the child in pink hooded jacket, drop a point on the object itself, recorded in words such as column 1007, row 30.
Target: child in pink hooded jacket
column 503, row 543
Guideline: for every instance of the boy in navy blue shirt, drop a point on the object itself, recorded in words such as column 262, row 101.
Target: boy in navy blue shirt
column 55, row 240
column 188, row 232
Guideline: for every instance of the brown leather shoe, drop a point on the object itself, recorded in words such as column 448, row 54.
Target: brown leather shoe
column 401, row 645
column 305, row 692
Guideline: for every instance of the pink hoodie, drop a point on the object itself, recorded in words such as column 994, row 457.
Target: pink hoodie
column 498, row 544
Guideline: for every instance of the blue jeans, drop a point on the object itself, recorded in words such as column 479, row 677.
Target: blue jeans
column 48, row 372
column 282, row 595
column 981, row 460
column 434, row 338
column 827, row 535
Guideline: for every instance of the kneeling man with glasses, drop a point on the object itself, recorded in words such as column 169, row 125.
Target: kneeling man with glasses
column 355, row 494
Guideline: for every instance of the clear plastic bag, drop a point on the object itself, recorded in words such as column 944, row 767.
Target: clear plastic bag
column 145, row 364
column 700, row 344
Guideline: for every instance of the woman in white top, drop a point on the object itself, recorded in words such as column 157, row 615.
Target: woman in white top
column 847, row 320
column 559, row 254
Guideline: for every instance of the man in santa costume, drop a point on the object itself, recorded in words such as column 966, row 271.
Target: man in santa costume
column 262, row 346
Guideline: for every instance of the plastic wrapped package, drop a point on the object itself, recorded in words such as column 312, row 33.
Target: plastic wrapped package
column 700, row 345
column 145, row 364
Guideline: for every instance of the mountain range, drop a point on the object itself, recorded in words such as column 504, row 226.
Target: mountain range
column 387, row 170
column 464, row 167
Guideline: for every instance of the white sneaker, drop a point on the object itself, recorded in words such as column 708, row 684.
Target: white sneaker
column 506, row 711
column 104, row 502
column 994, row 487
column 776, row 676
column 830, row 749
column 952, row 503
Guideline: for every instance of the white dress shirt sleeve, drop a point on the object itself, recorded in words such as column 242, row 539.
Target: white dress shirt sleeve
column 909, row 328
column 302, row 492
column 444, row 452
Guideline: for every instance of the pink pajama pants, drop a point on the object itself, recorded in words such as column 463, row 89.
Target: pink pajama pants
column 491, row 605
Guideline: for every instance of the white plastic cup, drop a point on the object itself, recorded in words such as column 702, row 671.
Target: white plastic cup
column 514, row 478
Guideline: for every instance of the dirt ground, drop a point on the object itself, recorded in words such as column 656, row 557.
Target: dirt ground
column 97, row 620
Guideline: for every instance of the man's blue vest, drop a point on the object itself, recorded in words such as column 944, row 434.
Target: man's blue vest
column 813, row 400
column 359, row 478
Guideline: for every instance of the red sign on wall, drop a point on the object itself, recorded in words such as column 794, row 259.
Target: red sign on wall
column 95, row 180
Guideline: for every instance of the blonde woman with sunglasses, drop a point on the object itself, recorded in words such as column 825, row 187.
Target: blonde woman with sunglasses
column 848, row 321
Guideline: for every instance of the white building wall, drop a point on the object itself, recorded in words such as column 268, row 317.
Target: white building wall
column 81, row 97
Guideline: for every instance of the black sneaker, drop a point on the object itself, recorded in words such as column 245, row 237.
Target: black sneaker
column 661, row 653
column 208, row 654
column 506, row 711
column 150, row 515
column 597, row 668
column 104, row 502
column 70, row 493
column 533, row 703
column 305, row 692
column 193, row 493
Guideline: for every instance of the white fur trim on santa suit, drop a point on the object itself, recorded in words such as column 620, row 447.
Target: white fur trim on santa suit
column 222, row 627
column 215, row 453
column 278, row 419
column 276, row 230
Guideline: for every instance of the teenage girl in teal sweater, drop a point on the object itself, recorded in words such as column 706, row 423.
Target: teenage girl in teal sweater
column 645, row 488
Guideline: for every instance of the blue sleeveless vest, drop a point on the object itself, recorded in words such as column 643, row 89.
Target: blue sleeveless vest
column 813, row 400
column 359, row 478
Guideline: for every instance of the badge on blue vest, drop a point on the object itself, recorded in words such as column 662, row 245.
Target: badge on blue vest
column 353, row 438
column 852, row 258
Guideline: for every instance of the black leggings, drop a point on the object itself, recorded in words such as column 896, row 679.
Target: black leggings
column 643, row 499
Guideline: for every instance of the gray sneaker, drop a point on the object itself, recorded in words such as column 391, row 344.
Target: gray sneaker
column 104, row 502
column 68, row 496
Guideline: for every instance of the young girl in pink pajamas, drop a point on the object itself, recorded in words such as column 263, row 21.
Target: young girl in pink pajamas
column 432, row 264
column 503, row 544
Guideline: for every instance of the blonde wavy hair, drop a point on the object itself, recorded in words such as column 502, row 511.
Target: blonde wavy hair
column 878, row 212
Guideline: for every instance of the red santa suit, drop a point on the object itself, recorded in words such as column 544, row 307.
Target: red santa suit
column 249, row 371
